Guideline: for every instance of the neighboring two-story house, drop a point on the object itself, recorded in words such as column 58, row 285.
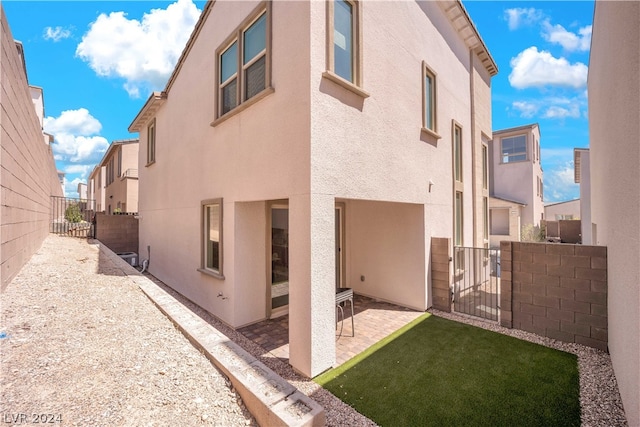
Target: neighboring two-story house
column 114, row 181
column 95, row 188
column 516, row 182
column 303, row 146
column 121, row 176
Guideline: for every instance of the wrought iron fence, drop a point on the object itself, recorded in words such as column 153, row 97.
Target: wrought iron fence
column 72, row 217
column 476, row 282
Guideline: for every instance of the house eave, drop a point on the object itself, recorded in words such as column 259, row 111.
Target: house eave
column 577, row 164
column 148, row 111
column 461, row 21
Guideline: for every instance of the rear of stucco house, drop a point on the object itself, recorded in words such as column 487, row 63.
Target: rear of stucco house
column 304, row 146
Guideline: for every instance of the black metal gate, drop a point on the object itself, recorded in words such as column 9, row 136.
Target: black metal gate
column 72, row 217
column 476, row 282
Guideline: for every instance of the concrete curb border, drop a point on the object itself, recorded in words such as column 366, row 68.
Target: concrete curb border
column 271, row 399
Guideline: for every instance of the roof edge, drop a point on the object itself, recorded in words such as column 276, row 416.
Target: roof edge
column 156, row 99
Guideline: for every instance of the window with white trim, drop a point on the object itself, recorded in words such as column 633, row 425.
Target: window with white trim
column 243, row 62
column 457, row 152
column 151, row 143
column 429, row 108
column 514, row 149
column 212, row 236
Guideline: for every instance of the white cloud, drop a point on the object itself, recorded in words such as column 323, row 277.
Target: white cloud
column 71, row 187
column 556, row 112
column 518, row 17
column 73, row 122
column 533, row 68
column 56, row 34
column 526, row 109
column 75, row 136
column 559, row 183
column 568, row 40
column 551, row 107
column 143, row 52
column 83, row 170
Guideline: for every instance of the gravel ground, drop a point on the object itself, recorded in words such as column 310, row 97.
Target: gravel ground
column 94, row 350
column 90, row 349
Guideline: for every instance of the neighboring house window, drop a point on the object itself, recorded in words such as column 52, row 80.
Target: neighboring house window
column 429, row 118
column 344, row 45
column 243, row 62
column 110, row 167
column 485, row 167
column 151, row 143
column 120, row 162
column 457, row 152
column 514, row 149
column 212, row 237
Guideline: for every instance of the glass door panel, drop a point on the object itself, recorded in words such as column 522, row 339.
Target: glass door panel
column 279, row 257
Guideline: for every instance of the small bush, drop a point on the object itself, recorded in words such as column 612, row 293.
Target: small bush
column 532, row 233
column 73, row 214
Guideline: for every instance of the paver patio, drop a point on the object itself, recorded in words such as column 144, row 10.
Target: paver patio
column 373, row 320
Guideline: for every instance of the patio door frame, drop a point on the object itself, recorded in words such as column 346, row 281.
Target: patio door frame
column 273, row 204
column 340, row 245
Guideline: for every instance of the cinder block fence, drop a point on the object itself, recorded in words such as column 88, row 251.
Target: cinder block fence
column 555, row 290
column 117, row 232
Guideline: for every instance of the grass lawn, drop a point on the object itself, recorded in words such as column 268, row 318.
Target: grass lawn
column 436, row 372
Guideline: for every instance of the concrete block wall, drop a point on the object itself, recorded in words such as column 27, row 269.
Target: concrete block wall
column 555, row 290
column 118, row 232
column 441, row 273
column 28, row 173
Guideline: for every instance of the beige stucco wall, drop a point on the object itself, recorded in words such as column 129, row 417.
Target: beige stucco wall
column 28, row 173
column 614, row 108
column 518, row 180
column 385, row 244
column 312, row 143
column 260, row 154
column 571, row 207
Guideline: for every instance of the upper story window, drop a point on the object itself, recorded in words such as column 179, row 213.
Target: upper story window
column 110, row 171
column 344, row 41
column 243, row 64
column 119, row 162
column 429, row 108
column 514, row 149
column 485, row 167
column 457, row 152
column 151, row 143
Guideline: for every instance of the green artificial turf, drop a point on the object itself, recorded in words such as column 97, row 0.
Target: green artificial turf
column 436, row 372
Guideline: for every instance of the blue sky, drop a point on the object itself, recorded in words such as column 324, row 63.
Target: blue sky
column 98, row 62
